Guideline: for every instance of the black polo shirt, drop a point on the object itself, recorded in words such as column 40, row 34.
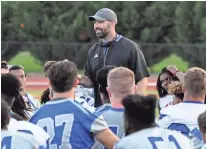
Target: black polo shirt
column 123, row 52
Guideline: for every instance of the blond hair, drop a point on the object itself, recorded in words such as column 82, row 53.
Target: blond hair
column 195, row 82
column 121, row 81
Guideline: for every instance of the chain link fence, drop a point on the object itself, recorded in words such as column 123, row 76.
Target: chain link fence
column 194, row 54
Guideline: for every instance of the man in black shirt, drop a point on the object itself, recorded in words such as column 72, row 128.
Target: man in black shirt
column 113, row 49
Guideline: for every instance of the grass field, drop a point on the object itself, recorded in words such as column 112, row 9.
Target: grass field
column 31, row 64
column 38, row 93
column 171, row 60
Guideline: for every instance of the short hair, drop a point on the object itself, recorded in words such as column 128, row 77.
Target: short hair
column 4, row 115
column 161, row 91
column 17, row 67
column 202, row 122
column 121, row 81
column 102, row 79
column 4, row 65
column 195, row 82
column 46, row 67
column 10, row 85
column 175, row 88
column 62, row 75
column 140, row 110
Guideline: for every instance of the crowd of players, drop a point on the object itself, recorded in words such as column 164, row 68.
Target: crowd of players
column 67, row 118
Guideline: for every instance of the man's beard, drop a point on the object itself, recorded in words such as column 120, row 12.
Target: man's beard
column 101, row 33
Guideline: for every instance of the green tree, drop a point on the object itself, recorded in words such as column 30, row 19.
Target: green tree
column 190, row 28
column 9, row 32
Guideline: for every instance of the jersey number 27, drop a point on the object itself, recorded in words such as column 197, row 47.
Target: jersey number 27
column 60, row 120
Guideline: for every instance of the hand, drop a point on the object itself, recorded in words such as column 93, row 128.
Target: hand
column 79, row 77
column 173, row 69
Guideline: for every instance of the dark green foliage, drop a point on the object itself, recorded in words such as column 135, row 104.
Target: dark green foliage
column 59, row 30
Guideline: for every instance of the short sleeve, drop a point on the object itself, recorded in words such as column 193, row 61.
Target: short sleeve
column 138, row 64
column 98, row 125
column 163, row 121
column 88, row 70
column 87, row 67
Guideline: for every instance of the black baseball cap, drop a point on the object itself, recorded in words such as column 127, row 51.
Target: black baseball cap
column 104, row 14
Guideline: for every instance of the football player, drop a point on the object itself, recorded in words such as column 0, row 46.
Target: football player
column 121, row 82
column 66, row 121
column 182, row 117
column 141, row 131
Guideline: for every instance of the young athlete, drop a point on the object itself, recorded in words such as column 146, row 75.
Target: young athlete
column 82, row 94
column 66, row 121
column 121, row 82
column 182, row 117
column 10, row 87
column 102, row 82
column 167, row 76
column 14, row 140
column 31, row 103
column 141, row 132
column 202, row 126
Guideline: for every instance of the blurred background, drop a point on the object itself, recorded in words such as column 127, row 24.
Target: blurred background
column 168, row 32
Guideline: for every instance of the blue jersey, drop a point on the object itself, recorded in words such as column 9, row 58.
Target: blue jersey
column 115, row 120
column 17, row 140
column 182, row 117
column 68, row 124
column 103, row 108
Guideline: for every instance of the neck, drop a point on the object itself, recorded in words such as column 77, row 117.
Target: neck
column 116, row 103
column 23, row 93
column 9, row 107
column 139, row 127
column 4, row 128
column 191, row 98
column 69, row 94
column 110, row 36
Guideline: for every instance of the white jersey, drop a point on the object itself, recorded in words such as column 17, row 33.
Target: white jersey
column 85, row 104
column 85, row 91
column 90, row 100
column 182, row 117
column 154, row 138
column 29, row 128
column 204, row 146
column 17, row 140
column 32, row 102
column 166, row 101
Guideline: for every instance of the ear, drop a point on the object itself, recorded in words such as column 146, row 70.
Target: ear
column 135, row 89
column 48, row 81
column 109, row 92
column 76, row 82
column 112, row 24
column 50, row 96
column 184, row 88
